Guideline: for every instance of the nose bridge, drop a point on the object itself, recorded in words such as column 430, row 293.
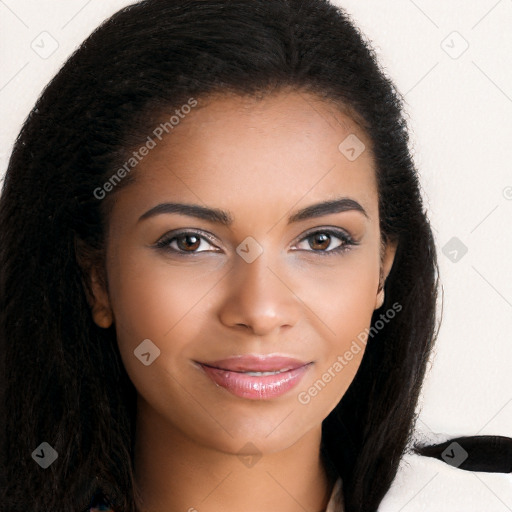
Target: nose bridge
column 256, row 278
column 257, row 297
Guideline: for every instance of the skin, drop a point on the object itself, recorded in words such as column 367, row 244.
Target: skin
column 262, row 161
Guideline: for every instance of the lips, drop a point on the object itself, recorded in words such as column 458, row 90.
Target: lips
column 256, row 364
column 256, row 377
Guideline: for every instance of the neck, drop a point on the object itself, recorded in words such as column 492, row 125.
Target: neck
column 175, row 473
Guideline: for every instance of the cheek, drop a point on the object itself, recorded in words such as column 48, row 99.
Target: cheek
column 342, row 294
column 342, row 299
column 149, row 295
column 174, row 305
column 177, row 306
column 158, row 303
column 151, row 298
column 162, row 302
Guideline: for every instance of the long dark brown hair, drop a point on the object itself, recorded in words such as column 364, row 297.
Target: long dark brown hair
column 65, row 383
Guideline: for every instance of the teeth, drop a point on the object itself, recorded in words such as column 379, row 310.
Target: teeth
column 260, row 374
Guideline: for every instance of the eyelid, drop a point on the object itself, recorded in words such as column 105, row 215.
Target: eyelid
column 347, row 239
column 327, row 229
column 166, row 239
column 340, row 233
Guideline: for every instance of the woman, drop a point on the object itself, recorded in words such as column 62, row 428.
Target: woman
column 218, row 280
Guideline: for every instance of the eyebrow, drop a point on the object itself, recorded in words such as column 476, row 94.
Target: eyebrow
column 224, row 218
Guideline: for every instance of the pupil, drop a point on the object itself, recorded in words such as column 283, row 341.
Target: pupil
column 321, row 239
column 188, row 244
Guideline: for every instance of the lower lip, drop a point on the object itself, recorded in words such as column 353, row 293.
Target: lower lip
column 253, row 387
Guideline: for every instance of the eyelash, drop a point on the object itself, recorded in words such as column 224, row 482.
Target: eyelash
column 347, row 244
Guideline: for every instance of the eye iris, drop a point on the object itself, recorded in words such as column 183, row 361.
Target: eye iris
column 320, row 241
column 192, row 242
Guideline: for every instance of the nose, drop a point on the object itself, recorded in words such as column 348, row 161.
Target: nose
column 259, row 298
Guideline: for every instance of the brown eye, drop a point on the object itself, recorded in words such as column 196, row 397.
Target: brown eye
column 326, row 241
column 188, row 242
column 319, row 241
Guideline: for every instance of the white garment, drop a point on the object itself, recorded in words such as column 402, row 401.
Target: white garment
column 335, row 497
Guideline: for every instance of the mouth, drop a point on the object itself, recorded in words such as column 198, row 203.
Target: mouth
column 256, row 377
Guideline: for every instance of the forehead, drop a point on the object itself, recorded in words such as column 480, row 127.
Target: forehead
column 282, row 150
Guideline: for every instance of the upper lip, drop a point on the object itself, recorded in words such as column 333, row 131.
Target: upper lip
column 256, row 363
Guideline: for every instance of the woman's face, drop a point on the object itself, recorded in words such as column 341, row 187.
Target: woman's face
column 282, row 287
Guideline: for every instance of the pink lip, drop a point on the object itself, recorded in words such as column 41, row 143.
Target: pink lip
column 230, row 374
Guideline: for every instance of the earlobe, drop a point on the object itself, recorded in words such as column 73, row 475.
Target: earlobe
column 380, row 298
column 388, row 256
column 102, row 317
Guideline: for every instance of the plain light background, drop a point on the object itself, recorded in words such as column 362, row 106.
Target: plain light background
column 452, row 60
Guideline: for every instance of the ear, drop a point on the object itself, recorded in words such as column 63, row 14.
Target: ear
column 99, row 301
column 388, row 251
column 91, row 263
